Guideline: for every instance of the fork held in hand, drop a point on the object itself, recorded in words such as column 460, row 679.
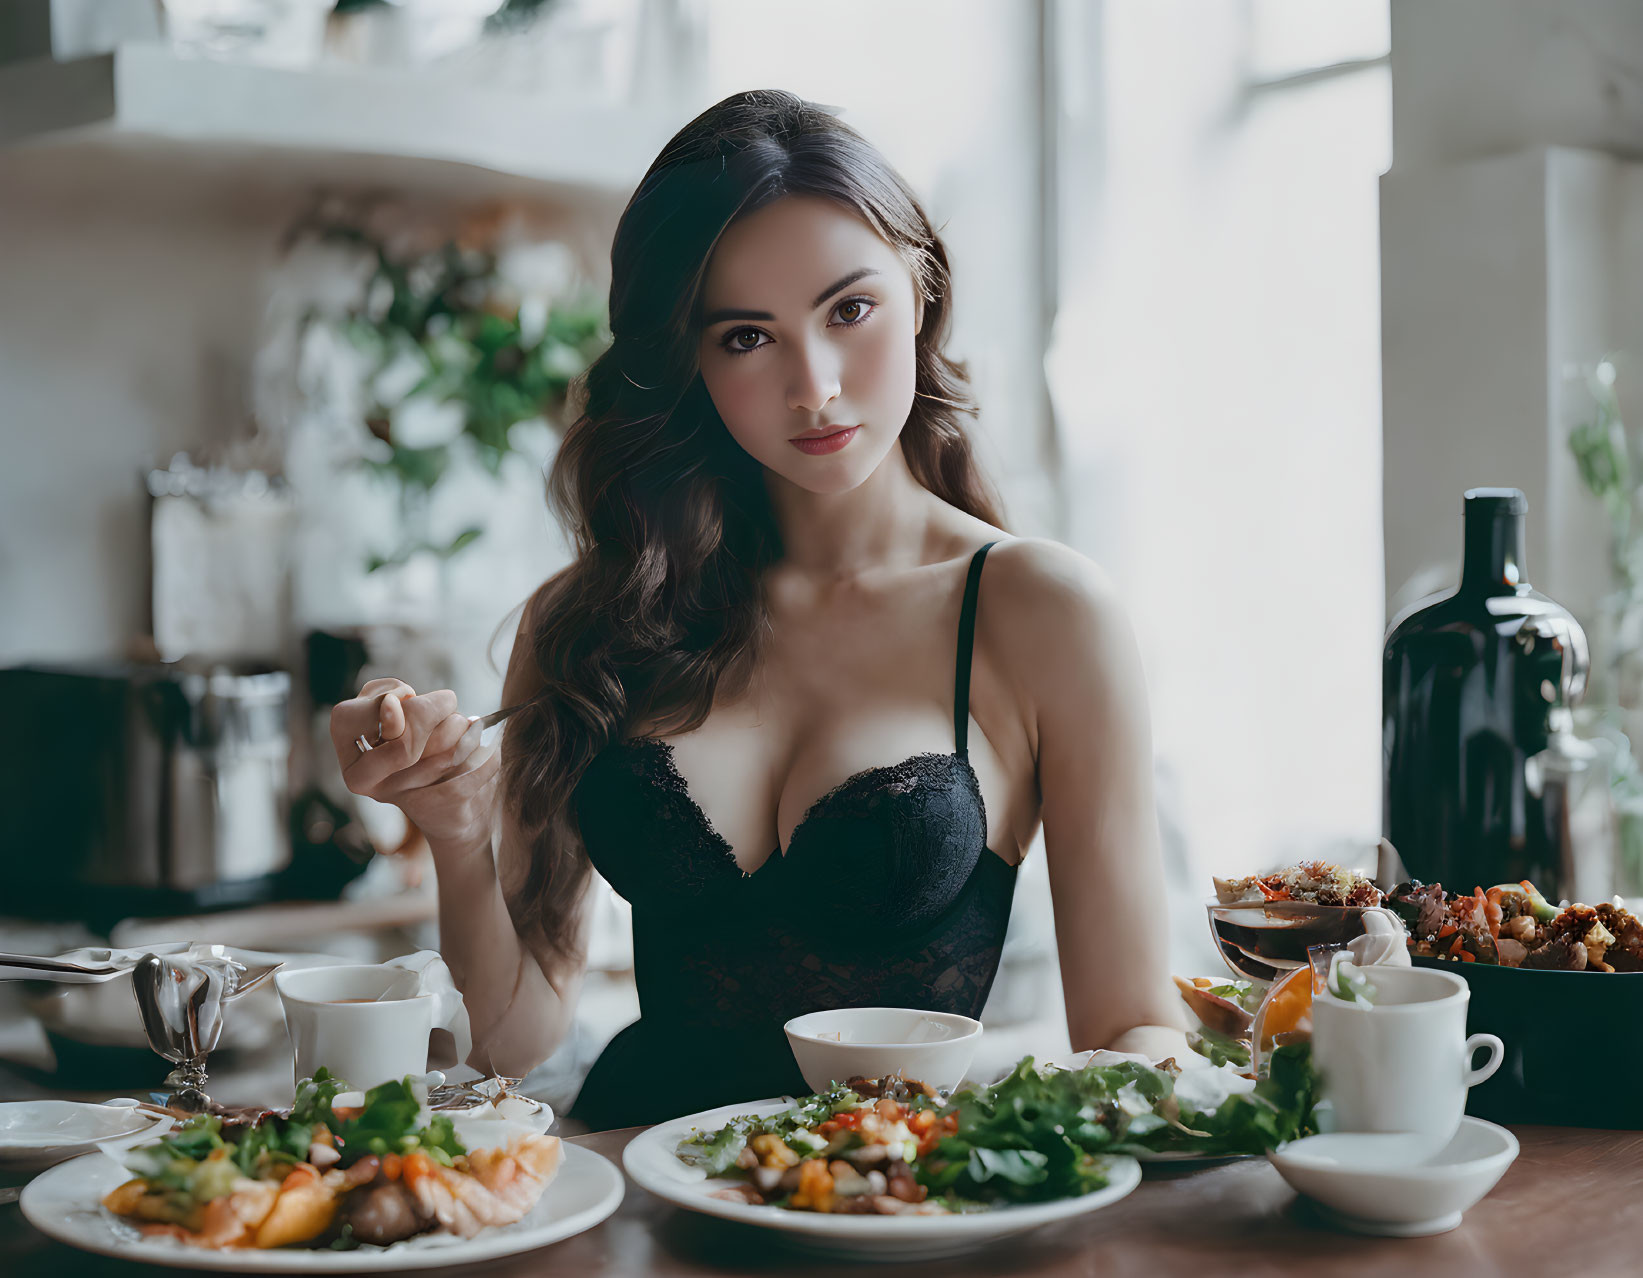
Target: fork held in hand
column 479, row 723
column 495, row 716
column 478, row 728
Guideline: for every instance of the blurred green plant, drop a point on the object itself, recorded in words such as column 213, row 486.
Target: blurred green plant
column 443, row 332
column 1603, row 453
column 1609, row 462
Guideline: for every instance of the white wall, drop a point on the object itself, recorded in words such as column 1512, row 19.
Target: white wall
column 129, row 305
column 1464, row 341
column 1509, row 233
column 1216, row 372
column 1475, row 78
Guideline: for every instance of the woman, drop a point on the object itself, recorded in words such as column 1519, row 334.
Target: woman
column 774, row 700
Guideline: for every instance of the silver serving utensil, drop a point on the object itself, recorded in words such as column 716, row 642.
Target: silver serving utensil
column 253, row 977
column 181, row 998
column 181, row 1006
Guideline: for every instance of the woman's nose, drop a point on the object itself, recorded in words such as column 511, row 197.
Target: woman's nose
column 813, row 381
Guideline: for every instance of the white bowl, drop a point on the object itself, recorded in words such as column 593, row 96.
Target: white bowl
column 1377, row 1183
column 870, row 1042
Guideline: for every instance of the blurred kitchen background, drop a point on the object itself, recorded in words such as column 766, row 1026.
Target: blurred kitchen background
column 293, row 295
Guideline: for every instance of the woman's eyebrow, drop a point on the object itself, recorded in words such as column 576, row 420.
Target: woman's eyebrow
column 861, row 272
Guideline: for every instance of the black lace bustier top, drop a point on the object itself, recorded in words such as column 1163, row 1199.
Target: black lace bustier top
column 887, row 896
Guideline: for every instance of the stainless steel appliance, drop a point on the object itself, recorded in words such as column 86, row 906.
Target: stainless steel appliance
column 142, row 789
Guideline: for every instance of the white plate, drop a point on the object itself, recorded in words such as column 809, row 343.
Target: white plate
column 651, row 1160
column 35, row 1134
column 65, row 1203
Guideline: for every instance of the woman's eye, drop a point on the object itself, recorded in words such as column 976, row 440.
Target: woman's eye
column 742, row 340
column 854, row 310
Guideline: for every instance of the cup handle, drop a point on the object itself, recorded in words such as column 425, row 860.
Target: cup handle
column 433, row 977
column 1497, row 1053
column 451, row 1013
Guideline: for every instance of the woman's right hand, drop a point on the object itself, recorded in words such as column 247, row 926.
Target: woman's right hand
column 427, row 764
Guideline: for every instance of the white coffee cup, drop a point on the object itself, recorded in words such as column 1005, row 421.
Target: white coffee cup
column 366, row 1024
column 1402, row 1063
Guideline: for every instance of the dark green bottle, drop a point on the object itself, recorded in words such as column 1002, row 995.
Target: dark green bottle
column 1475, row 686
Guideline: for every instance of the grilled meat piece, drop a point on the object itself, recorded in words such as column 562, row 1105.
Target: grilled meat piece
column 1573, row 920
column 384, row 1212
column 1563, row 953
column 1421, row 906
column 1626, row 954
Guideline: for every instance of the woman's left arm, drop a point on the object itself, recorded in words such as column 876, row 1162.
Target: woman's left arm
column 1073, row 655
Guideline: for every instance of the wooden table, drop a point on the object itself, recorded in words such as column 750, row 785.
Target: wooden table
column 1568, row 1206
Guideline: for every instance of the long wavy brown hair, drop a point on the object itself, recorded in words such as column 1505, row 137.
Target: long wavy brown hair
column 662, row 609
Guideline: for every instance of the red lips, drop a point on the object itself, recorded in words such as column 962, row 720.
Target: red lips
column 826, row 439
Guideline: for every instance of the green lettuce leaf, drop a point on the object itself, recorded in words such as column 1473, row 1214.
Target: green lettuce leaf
column 315, row 1096
column 1018, row 1166
column 1243, row 993
column 387, row 1123
column 1278, row 1110
column 1033, row 1137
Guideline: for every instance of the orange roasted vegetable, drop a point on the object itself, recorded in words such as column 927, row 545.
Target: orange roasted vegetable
column 302, row 1212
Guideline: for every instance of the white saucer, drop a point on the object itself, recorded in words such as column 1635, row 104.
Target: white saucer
column 1376, row 1183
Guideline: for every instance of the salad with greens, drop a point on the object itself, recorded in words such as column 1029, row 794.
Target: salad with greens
column 889, row 1147
column 329, row 1174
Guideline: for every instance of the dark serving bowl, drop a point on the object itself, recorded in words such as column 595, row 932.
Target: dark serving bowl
column 1573, row 1043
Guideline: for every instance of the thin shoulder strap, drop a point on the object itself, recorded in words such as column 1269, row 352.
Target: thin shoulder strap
column 966, row 641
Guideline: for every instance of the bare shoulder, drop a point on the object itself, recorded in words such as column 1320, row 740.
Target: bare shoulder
column 1033, row 582
column 1053, row 627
